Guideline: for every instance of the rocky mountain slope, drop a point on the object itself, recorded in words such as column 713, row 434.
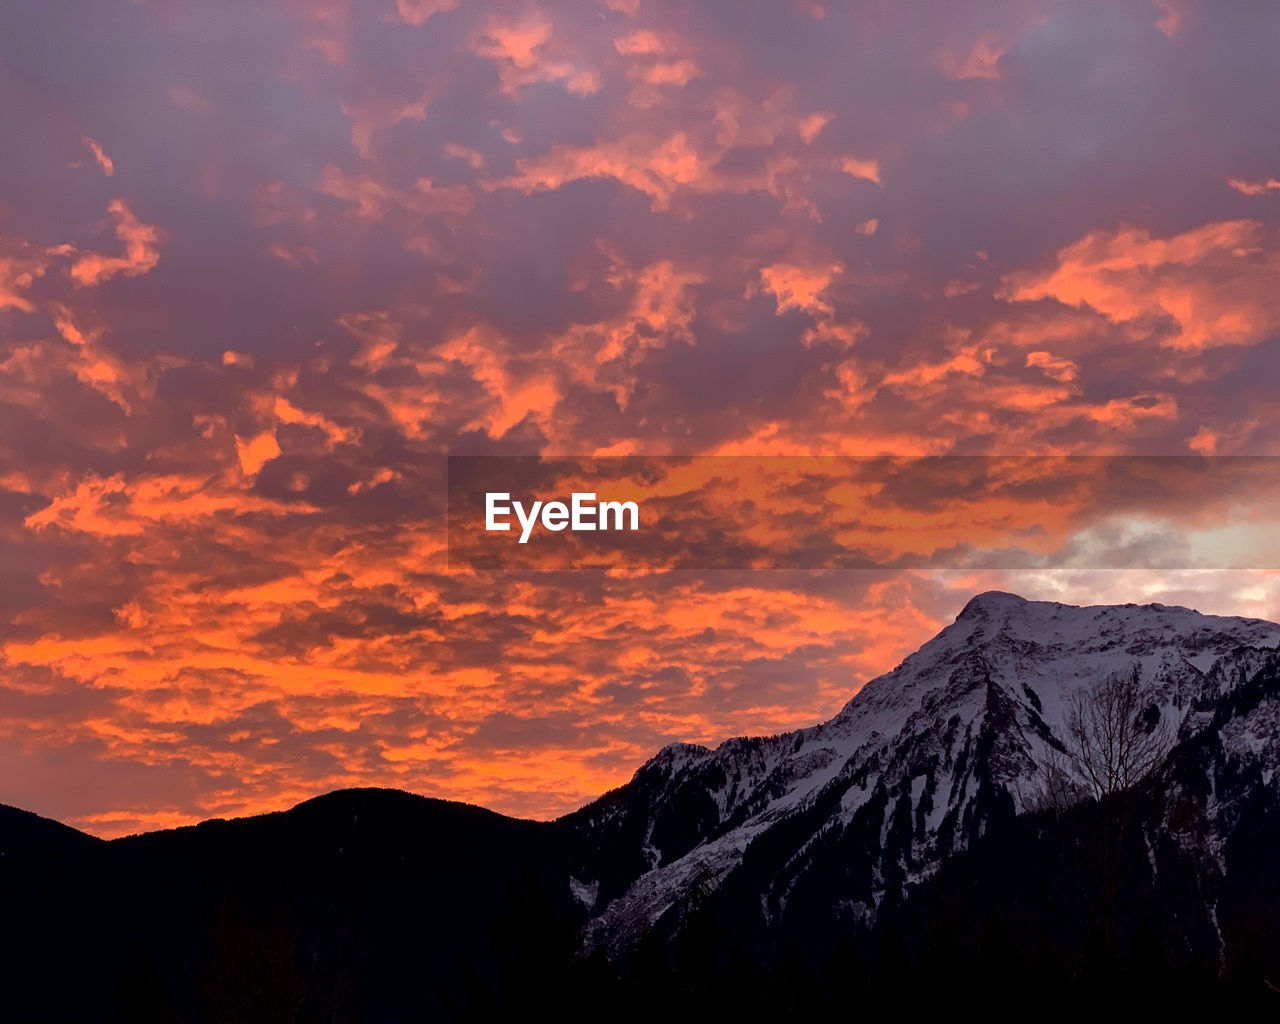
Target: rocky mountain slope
column 911, row 770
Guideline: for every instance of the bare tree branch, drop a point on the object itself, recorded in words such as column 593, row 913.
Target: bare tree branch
column 1113, row 739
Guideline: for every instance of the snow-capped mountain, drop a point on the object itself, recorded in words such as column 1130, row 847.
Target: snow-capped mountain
column 847, row 814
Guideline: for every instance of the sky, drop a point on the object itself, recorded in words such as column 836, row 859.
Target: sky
column 264, row 265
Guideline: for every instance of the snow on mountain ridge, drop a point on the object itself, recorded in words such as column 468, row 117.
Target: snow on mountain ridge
column 921, row 753
column 1057, row 648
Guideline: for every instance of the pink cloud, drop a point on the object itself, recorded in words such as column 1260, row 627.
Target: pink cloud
column 417, row 12
column 104, row 162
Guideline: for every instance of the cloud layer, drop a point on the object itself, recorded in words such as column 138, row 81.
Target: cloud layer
column 262, row 267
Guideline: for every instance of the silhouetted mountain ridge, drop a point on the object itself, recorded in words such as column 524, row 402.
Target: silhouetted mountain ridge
column 23, row 834
column 910, row 815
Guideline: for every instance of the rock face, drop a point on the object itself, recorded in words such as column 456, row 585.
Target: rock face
column 833, row 821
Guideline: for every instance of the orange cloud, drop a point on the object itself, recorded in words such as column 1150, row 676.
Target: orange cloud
column 141, row 250
column 286, row 412
column 514, row 42
column 800, row 286
column 656, row 168
column 106, row 507
column 916, row 377
column 1173, row 14
column 232, row 358
column 473, row 157
column 77, row 352
column 606, row 355
column 256, row 452
column 667, row 163
column 373, row 200
column 676, row 72
column 645, row 42
column 294, row 254
column 17, row 274
column 657, row 61
column 526, row 53
column 1225, row 439
column 1063, row 370
column 856, row 167
column 513, row 395
column 417, row 12
column 1204, row 288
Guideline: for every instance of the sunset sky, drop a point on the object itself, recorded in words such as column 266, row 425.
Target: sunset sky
column 264, row 265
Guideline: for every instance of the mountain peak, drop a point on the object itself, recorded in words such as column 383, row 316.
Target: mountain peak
column 990, row 602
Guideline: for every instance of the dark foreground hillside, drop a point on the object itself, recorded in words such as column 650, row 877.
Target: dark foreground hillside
column 378, row 906
column 896, row 856
column 360, row 905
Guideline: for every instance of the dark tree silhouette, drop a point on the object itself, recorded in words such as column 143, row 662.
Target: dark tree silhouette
column 1115, row 744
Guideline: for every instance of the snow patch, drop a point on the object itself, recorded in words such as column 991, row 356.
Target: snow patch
column 585, row 893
